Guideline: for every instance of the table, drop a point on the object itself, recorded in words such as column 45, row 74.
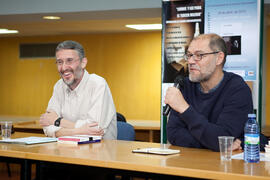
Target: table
column 145, row 130
column 28, row 126
column 25, row 165
column 117, row 155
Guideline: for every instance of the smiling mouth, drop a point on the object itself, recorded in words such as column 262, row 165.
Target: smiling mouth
column 66, row 74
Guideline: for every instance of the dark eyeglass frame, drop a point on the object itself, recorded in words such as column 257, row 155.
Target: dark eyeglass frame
column 198, row 56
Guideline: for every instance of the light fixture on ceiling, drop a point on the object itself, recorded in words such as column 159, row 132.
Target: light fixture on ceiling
column 8, row 31
column 145, row 26
column 51, row 17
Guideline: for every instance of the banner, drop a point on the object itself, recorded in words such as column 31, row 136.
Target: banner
column 237, row 21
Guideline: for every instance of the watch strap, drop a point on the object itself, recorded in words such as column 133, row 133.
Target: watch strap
column 58, row 121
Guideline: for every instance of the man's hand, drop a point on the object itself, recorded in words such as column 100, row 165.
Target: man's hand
column 176, row 100
column 236, row 145
column 48, row 118
column 91, row 129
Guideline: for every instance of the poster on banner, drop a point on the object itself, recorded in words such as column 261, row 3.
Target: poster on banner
column 182, row 20
column 237, row 22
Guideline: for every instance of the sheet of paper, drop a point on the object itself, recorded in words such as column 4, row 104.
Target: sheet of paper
column 160, row 151
column 29, row 140
column 240, row 156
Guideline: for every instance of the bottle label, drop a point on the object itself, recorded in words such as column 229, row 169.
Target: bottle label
column 252, row 139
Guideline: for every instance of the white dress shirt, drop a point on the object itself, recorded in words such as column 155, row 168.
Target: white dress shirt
column 90, row 101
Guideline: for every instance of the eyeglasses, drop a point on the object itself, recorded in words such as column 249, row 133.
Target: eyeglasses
column 198, row 56
column 69, row 61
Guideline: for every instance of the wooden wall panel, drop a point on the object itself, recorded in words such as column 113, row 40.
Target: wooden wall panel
column 130, row 62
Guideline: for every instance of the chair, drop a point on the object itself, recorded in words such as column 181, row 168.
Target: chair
column 120, row 117
column 125, row 131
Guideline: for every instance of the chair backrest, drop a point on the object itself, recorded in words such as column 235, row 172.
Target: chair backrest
column 120, row 117
column 125, row 131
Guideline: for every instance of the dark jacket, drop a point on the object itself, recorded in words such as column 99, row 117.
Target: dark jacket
column 222, row 112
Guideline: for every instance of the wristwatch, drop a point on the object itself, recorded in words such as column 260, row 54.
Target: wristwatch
column 58, row 121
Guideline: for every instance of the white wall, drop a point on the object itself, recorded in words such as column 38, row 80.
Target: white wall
column 8, row 7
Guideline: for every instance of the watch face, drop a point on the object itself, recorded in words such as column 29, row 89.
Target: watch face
column 57, row 122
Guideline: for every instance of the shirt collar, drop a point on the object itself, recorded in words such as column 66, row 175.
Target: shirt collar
column 211, row 90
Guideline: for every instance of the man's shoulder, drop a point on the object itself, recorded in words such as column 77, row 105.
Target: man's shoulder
column 96, row 78
column 235, row 82
column 233, row 78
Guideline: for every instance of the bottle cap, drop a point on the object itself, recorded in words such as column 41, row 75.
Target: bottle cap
column 252, row 115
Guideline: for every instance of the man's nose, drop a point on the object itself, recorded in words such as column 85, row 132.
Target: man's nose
column 191, row 60
column 64, row 66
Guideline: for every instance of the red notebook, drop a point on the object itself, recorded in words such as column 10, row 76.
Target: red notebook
column 79, row 138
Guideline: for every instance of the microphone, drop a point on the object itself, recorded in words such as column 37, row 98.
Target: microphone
column 178, row 83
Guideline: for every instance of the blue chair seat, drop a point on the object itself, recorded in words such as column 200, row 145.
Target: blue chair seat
column 125, row 131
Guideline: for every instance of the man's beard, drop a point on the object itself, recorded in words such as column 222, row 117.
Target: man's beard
column 205, row 76
column 202, row 78
column 76, row 76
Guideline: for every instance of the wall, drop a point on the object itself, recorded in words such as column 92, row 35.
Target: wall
column 131, row 64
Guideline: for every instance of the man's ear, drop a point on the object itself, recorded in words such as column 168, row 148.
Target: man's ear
column 220, row 58
column 84, row 62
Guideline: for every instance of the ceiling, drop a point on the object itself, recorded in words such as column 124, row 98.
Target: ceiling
column 78, row 20
column 81, row 16
column 76, row 23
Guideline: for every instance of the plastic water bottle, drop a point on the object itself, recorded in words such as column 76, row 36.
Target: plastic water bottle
column 252, row 140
